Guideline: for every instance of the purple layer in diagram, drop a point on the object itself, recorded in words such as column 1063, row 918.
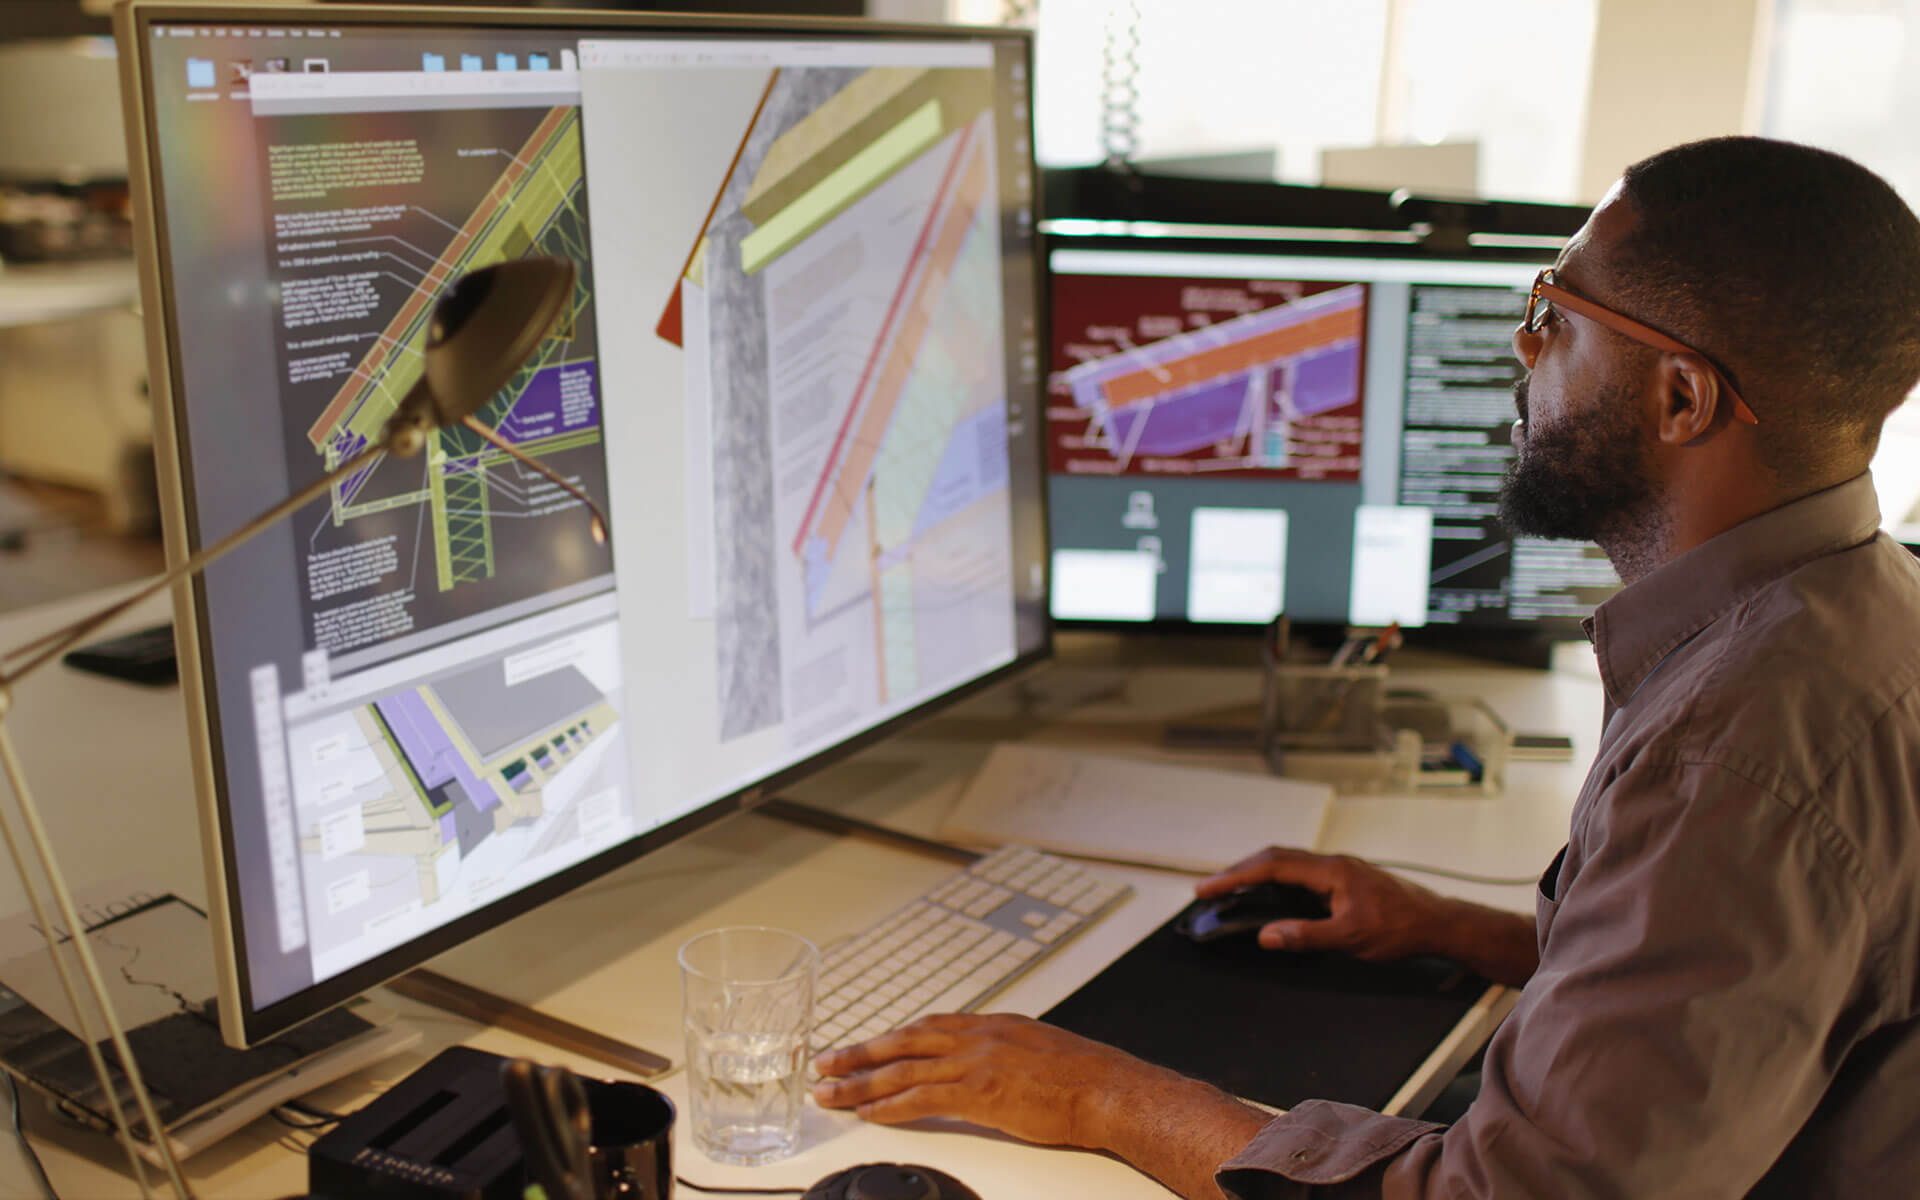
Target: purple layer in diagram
column 973, row 465
column 1183, row 421
column 559, row 400
column 425, row 743
column 348, row 447
column 1327, row 379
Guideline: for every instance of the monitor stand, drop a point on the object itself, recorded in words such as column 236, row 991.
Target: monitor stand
column 450, row 995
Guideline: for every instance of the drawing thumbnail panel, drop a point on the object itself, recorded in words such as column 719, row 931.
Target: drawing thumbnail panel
column 439, row 796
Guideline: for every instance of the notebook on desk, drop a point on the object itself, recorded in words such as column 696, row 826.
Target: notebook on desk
column 1126, row 810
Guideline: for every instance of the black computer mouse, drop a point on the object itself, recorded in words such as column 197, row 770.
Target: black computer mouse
column 890, row 1181
column 1244, row 910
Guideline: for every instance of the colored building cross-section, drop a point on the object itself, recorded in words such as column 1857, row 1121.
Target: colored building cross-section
column 850, row 462
column 531, row 207
column 1208, row 386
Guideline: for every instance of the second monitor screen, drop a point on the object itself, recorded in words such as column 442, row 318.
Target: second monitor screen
column 1232, row 436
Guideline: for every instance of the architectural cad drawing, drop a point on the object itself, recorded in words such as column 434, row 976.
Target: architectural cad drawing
column 849, row 279
column 550, row 406
column 1237, row 386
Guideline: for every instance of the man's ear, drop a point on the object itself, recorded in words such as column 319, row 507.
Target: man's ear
column 1691, row 399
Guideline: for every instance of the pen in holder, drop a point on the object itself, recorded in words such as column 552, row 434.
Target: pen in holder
column 1336, row 722
column 1321, row 707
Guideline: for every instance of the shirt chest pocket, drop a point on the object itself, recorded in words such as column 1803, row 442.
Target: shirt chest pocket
column 1549, row 898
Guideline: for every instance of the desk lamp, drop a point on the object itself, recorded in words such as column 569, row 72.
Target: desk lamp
column 484, row 327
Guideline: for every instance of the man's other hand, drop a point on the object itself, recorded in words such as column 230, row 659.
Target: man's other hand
column 1043, row 1085
column 1372, row 914
column 1009, row 1073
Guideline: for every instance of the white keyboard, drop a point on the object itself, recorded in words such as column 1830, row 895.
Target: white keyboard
column 961, row 942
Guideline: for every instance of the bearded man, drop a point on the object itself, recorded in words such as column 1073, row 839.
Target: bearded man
column 1722, row 976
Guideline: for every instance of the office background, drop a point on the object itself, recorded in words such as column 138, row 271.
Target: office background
column 1541, row 100
column 1537, row 101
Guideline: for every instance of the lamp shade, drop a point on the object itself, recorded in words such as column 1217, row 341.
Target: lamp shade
column 484, row 328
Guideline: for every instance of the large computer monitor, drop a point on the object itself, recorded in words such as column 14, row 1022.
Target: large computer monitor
column 800, row 373
column 1240, row 427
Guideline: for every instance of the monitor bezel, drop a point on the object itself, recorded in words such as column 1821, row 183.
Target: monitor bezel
column 1524, row 640
column 241, row 1022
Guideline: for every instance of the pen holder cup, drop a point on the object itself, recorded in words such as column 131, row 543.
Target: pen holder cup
column 1313, row 706
column 631, row 1156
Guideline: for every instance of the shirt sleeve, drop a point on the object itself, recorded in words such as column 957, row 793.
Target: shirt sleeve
column 1699, row 986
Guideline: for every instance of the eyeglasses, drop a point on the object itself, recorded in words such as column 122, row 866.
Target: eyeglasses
column 1546, row 294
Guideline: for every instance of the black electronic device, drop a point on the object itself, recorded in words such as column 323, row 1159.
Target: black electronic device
column 442, row 1133
column 890, row 1181
column 1246, row 910
column 1542, row 747
column 143, row 656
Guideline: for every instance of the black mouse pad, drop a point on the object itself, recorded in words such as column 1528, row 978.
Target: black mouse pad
column 1270, row 1026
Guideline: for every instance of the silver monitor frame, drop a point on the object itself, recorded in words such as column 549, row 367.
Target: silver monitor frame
column 241, row 1022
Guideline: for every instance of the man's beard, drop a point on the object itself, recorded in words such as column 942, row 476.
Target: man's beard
column 1585, row 478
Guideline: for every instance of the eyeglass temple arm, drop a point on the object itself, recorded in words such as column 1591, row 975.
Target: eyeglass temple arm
column 1646, row 334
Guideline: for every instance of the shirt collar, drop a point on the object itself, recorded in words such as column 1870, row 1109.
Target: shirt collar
column 1635, row 630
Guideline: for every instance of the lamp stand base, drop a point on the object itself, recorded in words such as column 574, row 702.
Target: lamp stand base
column 450, row 995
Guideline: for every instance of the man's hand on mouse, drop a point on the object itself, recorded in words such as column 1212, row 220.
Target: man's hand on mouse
column 1045, row 1085
column 1372, row 914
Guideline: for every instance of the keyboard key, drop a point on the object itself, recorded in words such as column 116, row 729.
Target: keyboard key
column 1094, row 898
column 984, row 905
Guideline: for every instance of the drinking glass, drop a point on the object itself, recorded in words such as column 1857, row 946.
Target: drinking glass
column 747, row 996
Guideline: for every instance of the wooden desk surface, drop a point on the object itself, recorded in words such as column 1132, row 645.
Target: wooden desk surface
column 109, row 765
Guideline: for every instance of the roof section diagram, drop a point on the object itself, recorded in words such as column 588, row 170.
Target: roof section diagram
column 406, row 547
column 1276, row 390
column 842, row 308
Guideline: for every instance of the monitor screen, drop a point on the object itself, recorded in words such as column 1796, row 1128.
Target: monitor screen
column 799, row 372
column 1233, row 434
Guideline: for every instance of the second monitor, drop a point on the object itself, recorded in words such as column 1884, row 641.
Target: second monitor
column 1235, row 432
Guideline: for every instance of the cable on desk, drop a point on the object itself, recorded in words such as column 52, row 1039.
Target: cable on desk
column 737, row 1191
column 1449, row 873
column 26, row 1147
column 318, row 1114
column 280, row 1114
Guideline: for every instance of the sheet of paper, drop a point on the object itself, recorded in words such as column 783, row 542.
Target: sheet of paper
column 155, row 964
column 1188, row 818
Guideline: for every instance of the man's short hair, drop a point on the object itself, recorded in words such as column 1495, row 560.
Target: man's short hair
column 1796, row 270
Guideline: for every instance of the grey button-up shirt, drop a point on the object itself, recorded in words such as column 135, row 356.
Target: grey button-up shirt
column 1728, row 998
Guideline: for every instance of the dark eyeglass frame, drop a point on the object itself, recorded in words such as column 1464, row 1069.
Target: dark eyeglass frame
column 1546, row 294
